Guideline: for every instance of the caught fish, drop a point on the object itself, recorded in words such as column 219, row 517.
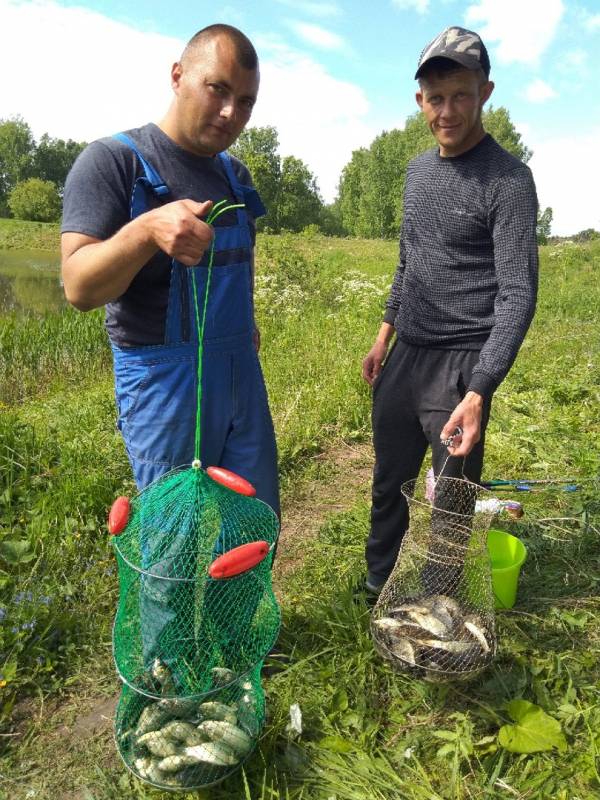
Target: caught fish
column 184, row 732
column 142, row 765
column 178, row 707
column 151, row 719
column 473, row 625
column 430, row 623
column 216, row 753
column 215, row 710
column 222, row 676
column 230, row 735
column 407, row 607
column 177, row 762
column 404, row 650
column 158, row 744
column 163, row 675
column 449, row 647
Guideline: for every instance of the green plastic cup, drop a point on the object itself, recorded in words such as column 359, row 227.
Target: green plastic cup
column 507, row 556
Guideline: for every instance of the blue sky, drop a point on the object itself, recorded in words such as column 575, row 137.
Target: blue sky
column 334, row 74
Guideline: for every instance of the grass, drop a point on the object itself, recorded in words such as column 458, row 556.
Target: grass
column 19, row 235
column 368, row 733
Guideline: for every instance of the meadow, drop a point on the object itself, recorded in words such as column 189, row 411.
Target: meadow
column 368, row 733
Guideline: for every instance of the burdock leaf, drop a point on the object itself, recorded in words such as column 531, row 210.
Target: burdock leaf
column 533, row 731
column 16, row 551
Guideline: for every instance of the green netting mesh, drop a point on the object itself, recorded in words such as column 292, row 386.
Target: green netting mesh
column 435, row 615
column 187, row 743
column 182, row 638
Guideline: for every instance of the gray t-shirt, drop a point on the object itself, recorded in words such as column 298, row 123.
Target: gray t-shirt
column 97, row 203
column 468, row 269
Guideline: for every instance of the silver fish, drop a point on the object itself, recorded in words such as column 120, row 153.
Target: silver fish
column 230, row 735
column 212, row 753
column 179, row 731
column 473, row 625
column 158, row 744
column 405, row 608
column 178, row 707
column 176, row 762
column 222, row 676
column 215, row 710
column 151, row 719
column 403, row 650
column 430, row 623
column 455, row 647
column 163, row 675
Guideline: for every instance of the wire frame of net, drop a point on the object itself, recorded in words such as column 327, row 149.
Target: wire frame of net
column 182, row 744
column 171, row 612
column 435, row 615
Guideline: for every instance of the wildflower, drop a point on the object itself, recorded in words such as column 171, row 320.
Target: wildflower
column 20, row 597
column 2, row 613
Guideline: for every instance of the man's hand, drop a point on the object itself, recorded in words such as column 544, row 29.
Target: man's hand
column 177, row 230
column 467, row 416
column 371, row 366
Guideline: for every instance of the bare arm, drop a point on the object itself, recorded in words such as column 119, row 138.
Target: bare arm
column 371, row 366
column 96, row 271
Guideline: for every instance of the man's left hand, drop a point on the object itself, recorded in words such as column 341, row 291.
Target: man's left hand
column 467, row 417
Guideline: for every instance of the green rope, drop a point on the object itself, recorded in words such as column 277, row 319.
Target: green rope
column 216, row 211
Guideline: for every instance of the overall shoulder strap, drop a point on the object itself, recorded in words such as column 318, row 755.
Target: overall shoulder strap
column 155, row 182
column 244, row 194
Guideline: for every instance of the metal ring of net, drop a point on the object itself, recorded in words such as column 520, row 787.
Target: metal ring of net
column 435, row 615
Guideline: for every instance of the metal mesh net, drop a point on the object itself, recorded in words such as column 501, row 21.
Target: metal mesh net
column 182, row 638
column 435, row 615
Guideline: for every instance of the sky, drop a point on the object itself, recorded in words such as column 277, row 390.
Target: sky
column 334, row 74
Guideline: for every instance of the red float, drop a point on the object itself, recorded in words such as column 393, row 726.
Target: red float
column 232, row 481
column 238, row 560
column 118, row 516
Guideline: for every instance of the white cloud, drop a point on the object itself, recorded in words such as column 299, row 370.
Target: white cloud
column 313, row 9
column 420, row 6
column 522, row 30
column 567, row 173
column 86, row 75
column 592, row 22
column 317, row 36
column 91, row 77
column 319, row 118
column 539, row 91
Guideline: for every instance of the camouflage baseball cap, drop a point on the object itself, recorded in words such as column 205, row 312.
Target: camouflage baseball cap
column 460, row 45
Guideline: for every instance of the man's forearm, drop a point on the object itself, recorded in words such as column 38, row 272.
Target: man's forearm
column 97, row 272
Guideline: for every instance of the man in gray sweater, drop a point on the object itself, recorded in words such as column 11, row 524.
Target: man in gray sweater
column 463, row 295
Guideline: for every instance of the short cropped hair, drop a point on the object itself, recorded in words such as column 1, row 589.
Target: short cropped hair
column 442, row 67
column 244, row 49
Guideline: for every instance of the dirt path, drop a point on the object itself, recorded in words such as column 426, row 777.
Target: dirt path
column 77, row 730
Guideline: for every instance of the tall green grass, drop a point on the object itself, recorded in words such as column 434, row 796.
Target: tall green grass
column 368, row 733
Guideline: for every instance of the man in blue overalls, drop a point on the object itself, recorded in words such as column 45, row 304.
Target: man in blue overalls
column 132, row 228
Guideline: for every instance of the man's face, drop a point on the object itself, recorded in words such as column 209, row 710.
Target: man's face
column 214, row 98
column 452, row 106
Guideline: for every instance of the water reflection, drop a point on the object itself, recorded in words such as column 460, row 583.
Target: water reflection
column 30, row 282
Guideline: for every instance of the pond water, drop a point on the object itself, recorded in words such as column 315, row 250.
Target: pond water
column 30, row 282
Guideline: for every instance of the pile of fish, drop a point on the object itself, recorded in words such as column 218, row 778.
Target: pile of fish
column 433, row 636
column 181, row 742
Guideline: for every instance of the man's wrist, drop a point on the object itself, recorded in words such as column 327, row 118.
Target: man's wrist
column 474, row 398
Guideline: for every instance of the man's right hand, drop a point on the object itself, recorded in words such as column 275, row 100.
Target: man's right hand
column 371, row 366
column 178, row 230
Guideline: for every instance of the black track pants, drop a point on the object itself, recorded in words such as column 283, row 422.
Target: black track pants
column 413, row 397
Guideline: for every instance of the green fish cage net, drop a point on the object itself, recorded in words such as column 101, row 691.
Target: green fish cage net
column 196, row 618
column 434, row 618
column 196, row 615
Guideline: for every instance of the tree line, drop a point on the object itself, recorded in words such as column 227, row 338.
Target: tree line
column 370, row 190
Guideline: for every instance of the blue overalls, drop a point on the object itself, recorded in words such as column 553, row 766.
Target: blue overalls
column 155, row 385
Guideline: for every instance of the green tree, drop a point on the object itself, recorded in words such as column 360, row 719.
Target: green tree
column 53, row 158
column 299, row 203
column 257, row 148
column 17, row 147
column 498, row 123
column 34, row 199
column 371, row 188
column 544, row 225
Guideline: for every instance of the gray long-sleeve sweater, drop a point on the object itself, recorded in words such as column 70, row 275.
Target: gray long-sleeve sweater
column 467, row 274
